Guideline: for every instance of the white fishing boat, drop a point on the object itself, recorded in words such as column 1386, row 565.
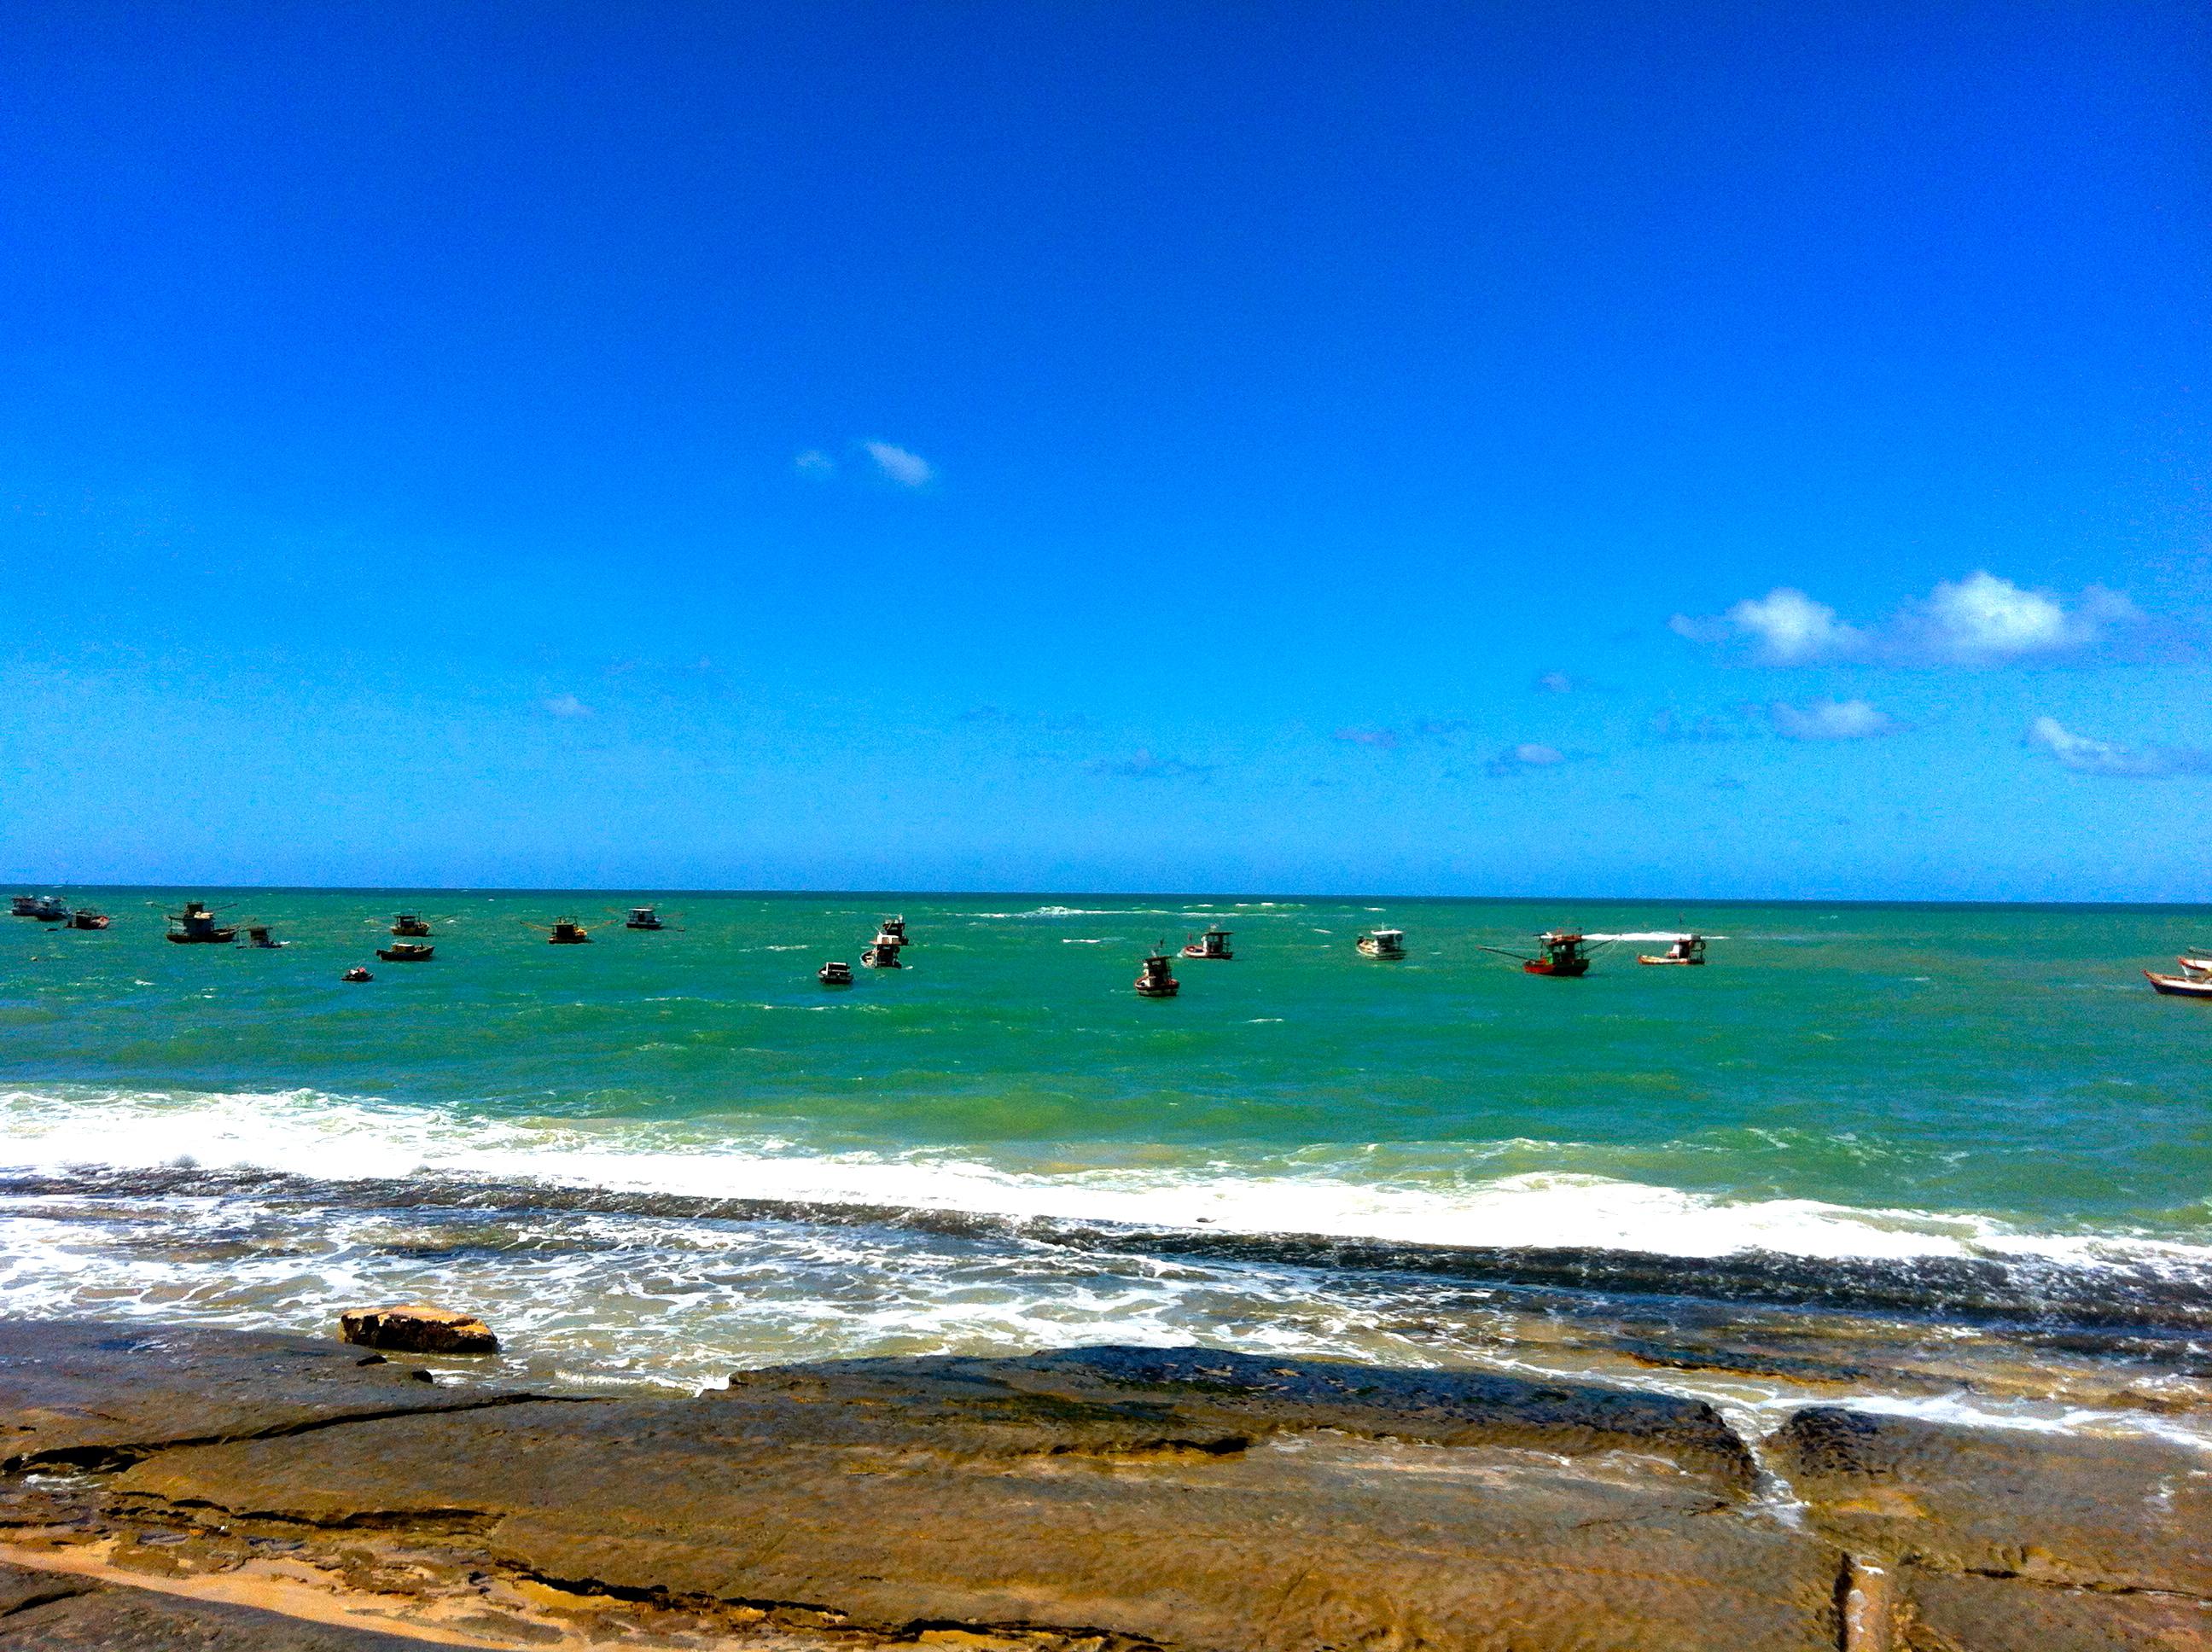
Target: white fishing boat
column 1383, row 943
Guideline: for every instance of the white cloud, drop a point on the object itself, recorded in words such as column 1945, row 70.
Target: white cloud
column 567, row 705
column 1982, row 617
column 1522, row 758
column 1978, row 620
column 1788, row 626
column 1831, row 720
column 909, row 470
column 2085, row 755
column 816, row 464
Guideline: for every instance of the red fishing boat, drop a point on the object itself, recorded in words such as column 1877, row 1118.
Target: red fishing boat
column 1561, row 954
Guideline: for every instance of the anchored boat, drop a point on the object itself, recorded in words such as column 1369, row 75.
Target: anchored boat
column 24, row 905
column 1156, row 976
column 85, row 917
column 892, row 933
column 2180, row 986
column 1684, row 949
column 1559, row 952
column 834, row 974
column 408, row 923
column 356, row 974
column 1383, row 943
column 196, row 926
column 257, row 935
column 1215, row 944
column 406, row 952
column 884, row 955
column 50, row 910
column 643, row 917
column 565, row 931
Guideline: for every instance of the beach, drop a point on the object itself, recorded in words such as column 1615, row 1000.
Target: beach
column 1884, row 1207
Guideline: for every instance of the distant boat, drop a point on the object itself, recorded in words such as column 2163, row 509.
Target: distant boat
column 405, row 952
column 85, row 917
column 24, row 905
column 1684, row 949
column 1560, row 954
column 1156, row 976
column 1383, row 943
column 408, row 923
column 565, row 931
column 884, row 955
column 356, row 974
column 834, row 974
column 50, row 910
column 257, row 935
column 1213, row 944
column 196, row 926
column 2181, row 986
column 643, row 917
column 892, row 933
column 2198, row 964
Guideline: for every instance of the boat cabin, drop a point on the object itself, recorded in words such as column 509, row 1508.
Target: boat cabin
column 257, row 935
column 891, row 932
column 643, row 917
column 568, row 932
column 406, row 952
column 23, row 906
column 834, row 974
column 884, row 955
column 50, row 909
column 1213, row 944
column 85, row 917
column 1383, row 943
column 196, row 925
column 408, row 923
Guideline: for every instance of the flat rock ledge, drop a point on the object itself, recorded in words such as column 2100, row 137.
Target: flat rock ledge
column 1091, row 1500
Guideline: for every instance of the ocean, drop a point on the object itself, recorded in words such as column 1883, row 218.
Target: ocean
column 1939, row 1156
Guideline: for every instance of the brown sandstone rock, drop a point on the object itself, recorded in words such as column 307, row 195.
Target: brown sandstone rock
column 1184, row 1499
column 1940, row 1613
column 51, row 1611
column 417, row 1328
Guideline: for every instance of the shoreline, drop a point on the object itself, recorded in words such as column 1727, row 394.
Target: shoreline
column 1094, row 1497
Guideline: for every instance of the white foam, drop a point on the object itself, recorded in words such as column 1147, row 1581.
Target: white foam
column 307, row 1134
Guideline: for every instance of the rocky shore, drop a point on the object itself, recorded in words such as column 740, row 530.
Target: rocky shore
column 194, row 1488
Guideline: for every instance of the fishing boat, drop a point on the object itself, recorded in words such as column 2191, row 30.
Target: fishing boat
column 24, row 905
column 85, row 917
column 406, row 952
column 643, row 917
column 892, row 933
column 356, row 974
column 196, row 927
column 2180, row 986
column 565, row 931
column 1683, row 948
column 50, row 909
column 257, row 935
column 884, row 955
column 408, row 923
column 1156, row 976
column 1213, row 944
column 1560, row 953
column 834, row 974
column 1383, row 943
column 2198, row 962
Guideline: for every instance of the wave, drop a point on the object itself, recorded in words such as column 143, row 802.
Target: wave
column 1560, row 1229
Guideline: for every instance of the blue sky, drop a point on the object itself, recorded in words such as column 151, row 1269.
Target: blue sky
column 1677, row 451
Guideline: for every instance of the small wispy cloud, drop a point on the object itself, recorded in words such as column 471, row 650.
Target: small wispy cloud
column 566, row 705
column 1146, row 767
column 815, row 464
column 1979, row 620
column 1831, row 720
column 2085, row 755
column 1672, row 727
column 1526, row 758
column 1558, row 683
column 1389, row 739
column 900, row 465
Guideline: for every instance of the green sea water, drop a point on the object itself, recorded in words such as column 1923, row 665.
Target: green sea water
column 1902, row 1085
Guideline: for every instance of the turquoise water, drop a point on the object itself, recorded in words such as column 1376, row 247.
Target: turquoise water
column 237, row 1133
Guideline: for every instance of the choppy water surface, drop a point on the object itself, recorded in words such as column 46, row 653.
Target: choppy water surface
column 666, row 1153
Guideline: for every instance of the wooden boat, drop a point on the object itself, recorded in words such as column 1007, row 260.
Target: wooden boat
column 257, row 935
column 1562, row 954
column 405, row 952
column 892, row 933
column 1383, row 943
column 834, row 974
column 1156, row 976
column 23, row 906
column 1213, row 944
column 643, row 917
column 1685, row 949
column 2198, row 964
column 85, row 917
column 50, row 909
column 884, row 955
column 196, row 927
column 356, row 974
column 408, row 923
column 566, row 932
column 2181, row 986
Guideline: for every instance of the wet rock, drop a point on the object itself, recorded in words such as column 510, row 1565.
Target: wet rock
column 2104, row 1512
column 417, row 1328
column 56, row 1613
column 1946, row 1613
column 94, row 1394
column 1175, row 1497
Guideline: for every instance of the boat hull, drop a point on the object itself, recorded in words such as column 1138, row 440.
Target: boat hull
column 1645, row 957
column 394, row 956
column 213, row 938
column 1545, row 967
column 2180, row 986
column 1146, row 990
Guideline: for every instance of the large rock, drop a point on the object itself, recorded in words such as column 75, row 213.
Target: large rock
column 94, row 1394
column 1940, row 1613
column 416, row 1328
column 2101, row 1512
column 1180, row 1498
